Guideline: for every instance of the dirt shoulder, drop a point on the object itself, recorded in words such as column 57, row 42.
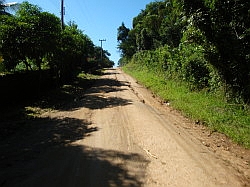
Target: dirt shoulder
column 116, row 133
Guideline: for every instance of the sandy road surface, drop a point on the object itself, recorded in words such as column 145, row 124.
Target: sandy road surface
column 116, row 134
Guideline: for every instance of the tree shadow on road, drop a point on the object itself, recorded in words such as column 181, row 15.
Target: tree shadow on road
column 45, row 153
column 77, row 166
column 23, row 141
column 72, row 97
column 106, row 171
column 100, row 102
column 96, row 97
column 36, row 151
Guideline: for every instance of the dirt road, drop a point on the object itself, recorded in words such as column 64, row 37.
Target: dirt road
column 118, row 134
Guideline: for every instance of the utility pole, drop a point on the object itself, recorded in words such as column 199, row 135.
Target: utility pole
column 103, row 40
column 62, row 13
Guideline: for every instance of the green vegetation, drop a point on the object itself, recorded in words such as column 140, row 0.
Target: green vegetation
column 210, row 109
column 205, row 43
column 195, row 54
column 38, row 55
column 34, row 40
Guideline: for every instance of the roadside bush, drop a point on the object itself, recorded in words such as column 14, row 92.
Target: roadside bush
column 194, row 68
column 187, row 62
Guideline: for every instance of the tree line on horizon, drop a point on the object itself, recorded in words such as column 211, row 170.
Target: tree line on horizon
column 205, row 43
column 31, row 39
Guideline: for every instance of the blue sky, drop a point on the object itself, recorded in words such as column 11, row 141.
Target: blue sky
column 99, row 19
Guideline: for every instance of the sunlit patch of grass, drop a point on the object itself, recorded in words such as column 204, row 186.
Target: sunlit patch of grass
column 88, row 76
column 210, row 108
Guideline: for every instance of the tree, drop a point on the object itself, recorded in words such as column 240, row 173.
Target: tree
column 160, row 23
column 35, row 38
column 10, row 46
column 29, row 36
column 226, row 25
column 173, row 23
column 41, row 35
column 122, row 34
column 147, row 25
column 74, row 51
column 126, row 41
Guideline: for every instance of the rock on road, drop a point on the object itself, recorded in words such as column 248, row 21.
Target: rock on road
column 128, row 140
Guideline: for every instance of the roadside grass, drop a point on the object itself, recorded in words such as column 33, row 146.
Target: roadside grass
column 210, row 109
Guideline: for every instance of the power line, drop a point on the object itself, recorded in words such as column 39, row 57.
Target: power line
column 86, row 13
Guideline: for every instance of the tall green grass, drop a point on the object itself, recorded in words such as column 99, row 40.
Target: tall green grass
column 212, row 109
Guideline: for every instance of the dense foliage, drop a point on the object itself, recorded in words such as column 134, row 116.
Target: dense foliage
column 34, row 40
column 202, row 42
